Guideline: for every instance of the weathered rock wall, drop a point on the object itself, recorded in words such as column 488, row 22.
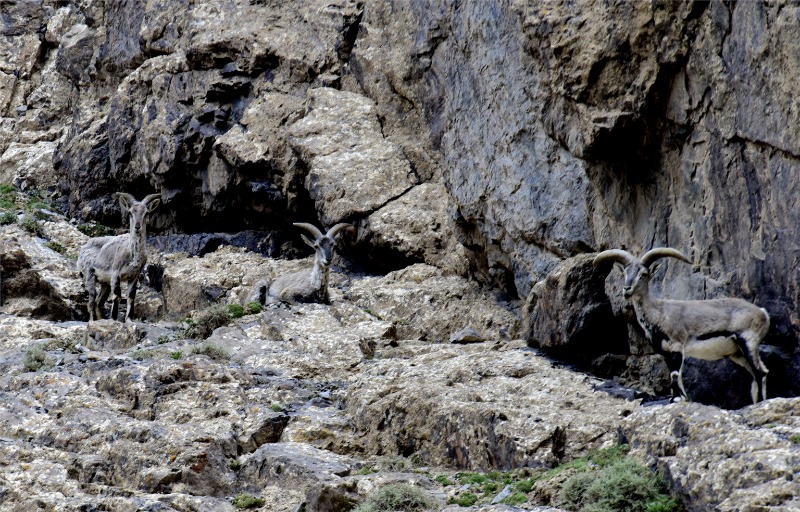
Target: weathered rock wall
column 556, row 128
column 570, row 127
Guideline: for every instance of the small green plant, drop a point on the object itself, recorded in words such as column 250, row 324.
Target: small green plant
column 276, row 407
column 93, row 229
column 244, row 501
column 443, row 480
column 795, row 439
column 466, row 500
column 516, row 498
column 141, row 355
column 623, row 486
column 396, row 498
column 164, row 338
column 35, row 359
column 253, row 308
column 7, row 218
column 8, row 197
column 31, row 225
column 372, row 313
column 57, row 247
column 235, row 465
column 204, row 322
column 212, row 350
column 367, row 470
column 235, row 311
column 176, row 355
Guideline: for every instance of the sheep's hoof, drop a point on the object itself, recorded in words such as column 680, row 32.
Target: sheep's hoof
column 677, row 399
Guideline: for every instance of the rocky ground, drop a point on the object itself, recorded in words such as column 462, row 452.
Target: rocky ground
column 409, row 377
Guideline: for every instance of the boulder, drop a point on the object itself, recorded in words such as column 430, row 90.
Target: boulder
column 353, row 169
column 718, row 459
column 569, row 315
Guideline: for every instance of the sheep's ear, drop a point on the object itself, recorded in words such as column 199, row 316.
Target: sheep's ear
column 125, row 199
column 619, row 266
column 308, row 241
column 152, row 201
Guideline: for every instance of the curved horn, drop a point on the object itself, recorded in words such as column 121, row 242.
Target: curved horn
column 125, row 199
column 150, row 197
column 310, row 228
column 337, row 228
column 615, row 255
column 662, row 252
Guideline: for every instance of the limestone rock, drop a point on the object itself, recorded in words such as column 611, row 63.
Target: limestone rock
column 37, row 281
column 568, row 313
column 352, row 168
column 463, row 404
column 700, row 449
column 418, row 226
column 425, row 303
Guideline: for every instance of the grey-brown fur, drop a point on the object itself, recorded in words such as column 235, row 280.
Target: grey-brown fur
column 110, row 260
column 704, row 329
column 307, row 285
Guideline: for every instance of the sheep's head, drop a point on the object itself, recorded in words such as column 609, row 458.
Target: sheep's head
column 137, row 210
column 323, row 244
column 637, row 270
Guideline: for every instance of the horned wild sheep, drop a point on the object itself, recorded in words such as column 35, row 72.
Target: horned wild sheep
column 307, row 285
column 704, row 329
column 110, row 260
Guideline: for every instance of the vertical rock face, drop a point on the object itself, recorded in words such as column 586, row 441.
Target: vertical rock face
column 569, row 126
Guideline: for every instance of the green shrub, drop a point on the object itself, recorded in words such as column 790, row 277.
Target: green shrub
column 443, row 480
column 794, row 439
column 57, row 247
column 7, row 218
column 204, row 322
column 235, row 311
column 36, row 359
column 516, row 498
column 212, row 350
column 253, row 308
column 93, row 229
column 244, row 501
column 620, row 486
column 32, row 226
column 176, row 355
column 466, row 500
column 396, row 498
column 141, row 355
column 8, row 197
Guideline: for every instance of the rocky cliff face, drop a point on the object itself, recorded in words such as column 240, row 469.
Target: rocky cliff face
column 495, row 142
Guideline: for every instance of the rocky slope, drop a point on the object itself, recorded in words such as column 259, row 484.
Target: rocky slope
column 403, row 378
column 482, row 150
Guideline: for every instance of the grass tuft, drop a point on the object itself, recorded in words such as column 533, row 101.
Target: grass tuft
column 245, row 501
column 35, row 359
column 396, row 498
column 212, row 350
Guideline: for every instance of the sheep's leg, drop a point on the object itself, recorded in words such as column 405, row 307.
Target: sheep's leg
column 116, row 290
column 742, row 361
column 131, row 297
column 105, row 290
column 680, row 379
column 89, row 283
column 758, row 365
column 749, row 355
